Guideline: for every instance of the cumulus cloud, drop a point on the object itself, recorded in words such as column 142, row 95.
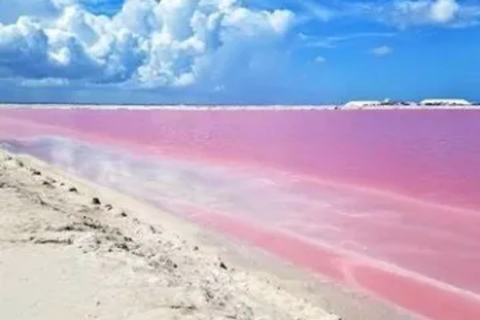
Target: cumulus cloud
column 382, row 51
column 425, row 11
column 444, row 10
column 174, row 43
column 320, row 59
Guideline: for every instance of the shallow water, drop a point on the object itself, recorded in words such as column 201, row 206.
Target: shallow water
column 381, row 201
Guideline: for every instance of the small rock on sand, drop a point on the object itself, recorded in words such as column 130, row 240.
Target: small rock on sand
column 120, row 213
column 223, row 266
column 47, row 184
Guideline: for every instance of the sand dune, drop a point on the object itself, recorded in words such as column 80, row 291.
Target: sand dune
column 73, row 250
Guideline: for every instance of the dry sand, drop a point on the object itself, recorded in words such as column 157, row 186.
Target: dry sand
column 72, row 250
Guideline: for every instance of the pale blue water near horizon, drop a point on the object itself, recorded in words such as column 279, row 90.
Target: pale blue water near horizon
column 367, row 198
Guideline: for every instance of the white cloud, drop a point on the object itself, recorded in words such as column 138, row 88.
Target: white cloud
column 444, row 10
column 333, row 41
column 318, row 11
column 382, row 51
column 45, row 82
column 320, row 59
column 411, row 12
column 174, row 43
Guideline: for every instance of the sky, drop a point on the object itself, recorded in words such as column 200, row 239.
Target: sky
column 238, row 51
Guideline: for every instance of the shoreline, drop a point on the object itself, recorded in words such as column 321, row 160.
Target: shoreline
column 181, row 107
column 138, row 245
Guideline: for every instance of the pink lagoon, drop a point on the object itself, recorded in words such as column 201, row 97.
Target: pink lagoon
column 380, row 201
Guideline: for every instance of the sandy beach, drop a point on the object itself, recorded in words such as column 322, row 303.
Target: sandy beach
column 71, row 249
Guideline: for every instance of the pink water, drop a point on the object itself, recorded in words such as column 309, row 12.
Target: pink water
column 381, row 201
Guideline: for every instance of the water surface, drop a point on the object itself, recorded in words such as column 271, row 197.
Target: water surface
column 381, row 201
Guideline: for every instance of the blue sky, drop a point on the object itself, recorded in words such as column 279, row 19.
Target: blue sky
column 238, row 51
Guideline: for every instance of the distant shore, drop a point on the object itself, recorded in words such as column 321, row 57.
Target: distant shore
column 180, row 107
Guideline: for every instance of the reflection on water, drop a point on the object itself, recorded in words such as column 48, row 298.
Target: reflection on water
column 425, row 154
column 429, row 239
column 358, row 196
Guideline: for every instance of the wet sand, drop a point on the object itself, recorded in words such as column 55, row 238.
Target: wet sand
column 72, row 249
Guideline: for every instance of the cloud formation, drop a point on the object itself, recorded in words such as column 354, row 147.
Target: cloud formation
column 382, row 51
column 176, row 43
column 334, row 41
column 411, row 12
column 404, row 13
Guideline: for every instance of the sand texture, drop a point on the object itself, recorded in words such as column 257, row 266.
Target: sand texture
column 73, row 250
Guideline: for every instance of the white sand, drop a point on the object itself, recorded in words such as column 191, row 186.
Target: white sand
column 64, row 257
